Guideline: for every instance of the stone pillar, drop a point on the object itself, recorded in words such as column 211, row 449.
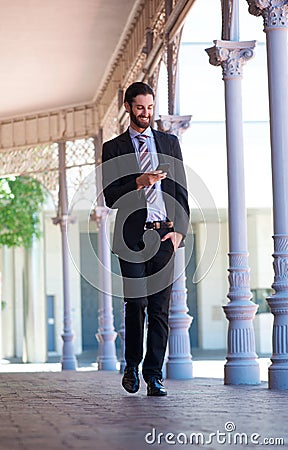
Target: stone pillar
column 275, row 14
column 241, row 366
column 106, row 335
column 63, row 219
column 179, row 364
column 34, row 304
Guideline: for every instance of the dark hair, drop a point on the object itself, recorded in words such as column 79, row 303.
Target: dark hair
column 135, row 89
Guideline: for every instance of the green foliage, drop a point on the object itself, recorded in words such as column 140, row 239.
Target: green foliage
column 21, row 200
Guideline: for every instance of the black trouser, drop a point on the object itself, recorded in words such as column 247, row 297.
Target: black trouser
column 148, row 284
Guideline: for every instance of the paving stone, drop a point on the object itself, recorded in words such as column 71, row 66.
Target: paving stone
column 91, row 411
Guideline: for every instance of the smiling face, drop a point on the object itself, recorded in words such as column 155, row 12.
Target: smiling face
column 140, row 111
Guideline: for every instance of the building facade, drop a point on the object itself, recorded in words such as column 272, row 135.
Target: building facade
column 175, row 35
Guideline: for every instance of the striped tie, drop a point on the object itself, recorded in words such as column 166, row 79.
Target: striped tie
column 146, row 166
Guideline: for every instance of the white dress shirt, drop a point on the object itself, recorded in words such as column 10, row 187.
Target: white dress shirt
column 157, row 209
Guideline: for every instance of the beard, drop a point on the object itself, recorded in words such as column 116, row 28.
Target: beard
column 138, row 122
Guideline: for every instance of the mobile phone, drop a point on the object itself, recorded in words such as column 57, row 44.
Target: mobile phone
column 163, row 166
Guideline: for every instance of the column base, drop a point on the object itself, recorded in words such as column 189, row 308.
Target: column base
column 107, row 359
column 179, row 370
column 122, row 366
column 107, row 365
column 68, row 360
column 278, row 377
column 243, row 373
column 69, row 363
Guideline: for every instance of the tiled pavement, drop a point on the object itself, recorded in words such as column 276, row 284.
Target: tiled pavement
column 90, row 410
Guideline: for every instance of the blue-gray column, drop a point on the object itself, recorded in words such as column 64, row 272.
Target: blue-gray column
column 179, row 362
column 68, row 360
column 106, row 335
column 241, row 366
column 275, row 14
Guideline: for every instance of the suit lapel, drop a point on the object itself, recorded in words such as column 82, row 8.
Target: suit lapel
column 126, row 148
column 161, row 145
column 125, row 143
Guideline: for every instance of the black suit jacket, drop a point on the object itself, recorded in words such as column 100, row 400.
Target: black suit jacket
column 119, row 172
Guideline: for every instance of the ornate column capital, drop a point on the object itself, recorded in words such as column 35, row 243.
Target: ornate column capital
column 274, row 12
column 231, row 55
column 173, row 124
column 64, row 220
column 100, row 213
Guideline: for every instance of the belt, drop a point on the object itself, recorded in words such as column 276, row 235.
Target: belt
column 157, row 225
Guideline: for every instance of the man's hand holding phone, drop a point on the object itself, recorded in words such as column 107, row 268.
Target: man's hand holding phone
column 164, row 167
column 150, row 178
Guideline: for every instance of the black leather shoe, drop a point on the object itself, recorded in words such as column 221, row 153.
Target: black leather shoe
column 155, row 387
column 130, row 380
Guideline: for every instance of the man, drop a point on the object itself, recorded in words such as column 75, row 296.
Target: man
column 151, row 222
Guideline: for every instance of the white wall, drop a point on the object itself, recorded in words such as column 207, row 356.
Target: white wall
column 211, row 293
column 212, row 290
column 260, row 245
column 8, row 329
column 201, row 91
column 34, row 304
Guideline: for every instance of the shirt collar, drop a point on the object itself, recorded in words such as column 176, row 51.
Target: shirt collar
column 134, row 133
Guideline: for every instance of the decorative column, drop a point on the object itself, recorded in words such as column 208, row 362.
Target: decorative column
column 241, row 366
column 106, row 335
column 275, row 14
column 179, row 363
column 63, row 219
column 173, row 124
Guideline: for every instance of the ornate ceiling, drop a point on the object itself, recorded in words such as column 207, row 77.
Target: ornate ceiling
column 56, row 53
